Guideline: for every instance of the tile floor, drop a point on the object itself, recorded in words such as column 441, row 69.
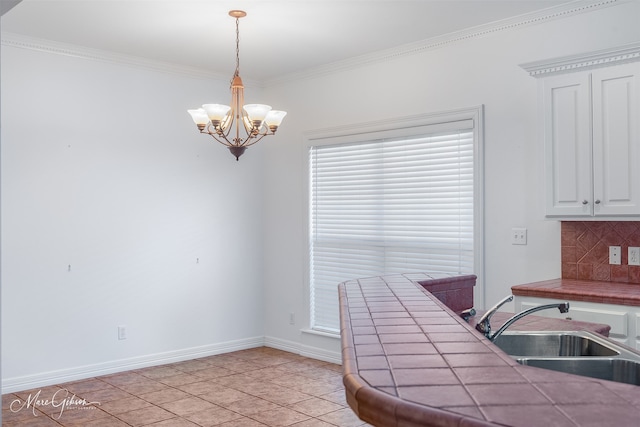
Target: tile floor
column 255, row 387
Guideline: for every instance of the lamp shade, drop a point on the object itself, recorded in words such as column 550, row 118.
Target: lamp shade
column 199, row 116
column 257, row 112
column 274, row 118
column 216, row 112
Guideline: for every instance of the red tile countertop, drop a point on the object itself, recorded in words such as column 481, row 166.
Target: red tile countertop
column 410, row 361
column 582, row 290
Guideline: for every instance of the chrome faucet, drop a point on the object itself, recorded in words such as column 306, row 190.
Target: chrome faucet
column 484, row 325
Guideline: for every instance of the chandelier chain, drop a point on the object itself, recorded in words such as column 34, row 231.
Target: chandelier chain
column 237, row 73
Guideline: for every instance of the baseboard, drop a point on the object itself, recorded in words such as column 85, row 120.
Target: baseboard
column 303, row 350
column 43, row 379
column 320, row 354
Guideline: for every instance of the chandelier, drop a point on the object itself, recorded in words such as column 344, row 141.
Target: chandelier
column 237, row 126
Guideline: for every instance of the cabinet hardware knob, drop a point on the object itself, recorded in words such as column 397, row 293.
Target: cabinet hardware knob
column 584, row 202
column 598, row 202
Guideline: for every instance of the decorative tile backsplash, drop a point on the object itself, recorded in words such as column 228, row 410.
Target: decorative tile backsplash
column 585, row 250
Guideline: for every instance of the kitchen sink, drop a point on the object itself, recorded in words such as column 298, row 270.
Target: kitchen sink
column 556, row 344
column 580, row 353
column 608, row 368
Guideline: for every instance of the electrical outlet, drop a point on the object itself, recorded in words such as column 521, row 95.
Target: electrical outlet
column 292, row 318
column 615, row 255
column 518, row 236
column 634, row 255
column 122, row 332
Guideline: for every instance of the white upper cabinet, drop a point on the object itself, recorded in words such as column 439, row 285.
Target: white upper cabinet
column 591, row 130
column 567, row 136
column 616, row 139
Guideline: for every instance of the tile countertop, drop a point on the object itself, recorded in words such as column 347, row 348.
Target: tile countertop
column 408, row 360
column 582, row 290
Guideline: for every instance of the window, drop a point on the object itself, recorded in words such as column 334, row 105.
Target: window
column 396, row 200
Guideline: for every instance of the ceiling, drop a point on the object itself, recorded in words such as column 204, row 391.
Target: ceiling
column 277, row 37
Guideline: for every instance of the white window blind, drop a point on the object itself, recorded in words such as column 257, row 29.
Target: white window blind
column 389, row 206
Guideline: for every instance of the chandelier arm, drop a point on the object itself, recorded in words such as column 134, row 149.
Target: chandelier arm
column 215, row 136
column 246, row 123
column 219, row 136
column 249, row 142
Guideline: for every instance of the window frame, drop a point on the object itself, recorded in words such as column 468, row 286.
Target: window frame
column 394, row 128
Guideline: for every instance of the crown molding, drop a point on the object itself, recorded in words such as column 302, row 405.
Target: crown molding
column 57, row 48
column 542, row 16
column 584, row 61
column 562, row 11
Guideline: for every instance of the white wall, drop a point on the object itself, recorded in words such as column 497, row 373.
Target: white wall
column 104, row 171
column 482, row 70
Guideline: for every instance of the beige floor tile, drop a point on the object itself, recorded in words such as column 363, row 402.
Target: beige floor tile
column 78, row 416
column 187, row 406
column 225, row 396
column 157, row 372
column 213, row 417
column 270, row 373
column 146, row 416
column 143, row 386
column 343, row 418
column 260, row 387
column 122, row 378
column 32, row 422
column 242, row 422
column 242, row 366
column 279, row 417
column 211, row 372
column 288, row 379
column 80, row 387
column 284, row 397
column 121, row 406
column 23, row 416
column 164, row 395
column 175, row 422
column 315, row 407
column 201, row 387
column 109, row 421
column 236, row 381
column 252, row 405
column 337, row 396
column 105, row 395
column 313, row 422
column 180, row 379
column 190, row 365
column 38, row 393
column 315, row 388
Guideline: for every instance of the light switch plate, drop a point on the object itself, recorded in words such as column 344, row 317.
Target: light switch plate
column 615, row 255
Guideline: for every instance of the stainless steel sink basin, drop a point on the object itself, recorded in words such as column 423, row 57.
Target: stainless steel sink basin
column 555, row 344
column 580, row 353
column 610, row 368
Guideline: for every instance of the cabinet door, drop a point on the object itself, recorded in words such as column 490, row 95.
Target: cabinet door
column 567, row 137
column 616, row 144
